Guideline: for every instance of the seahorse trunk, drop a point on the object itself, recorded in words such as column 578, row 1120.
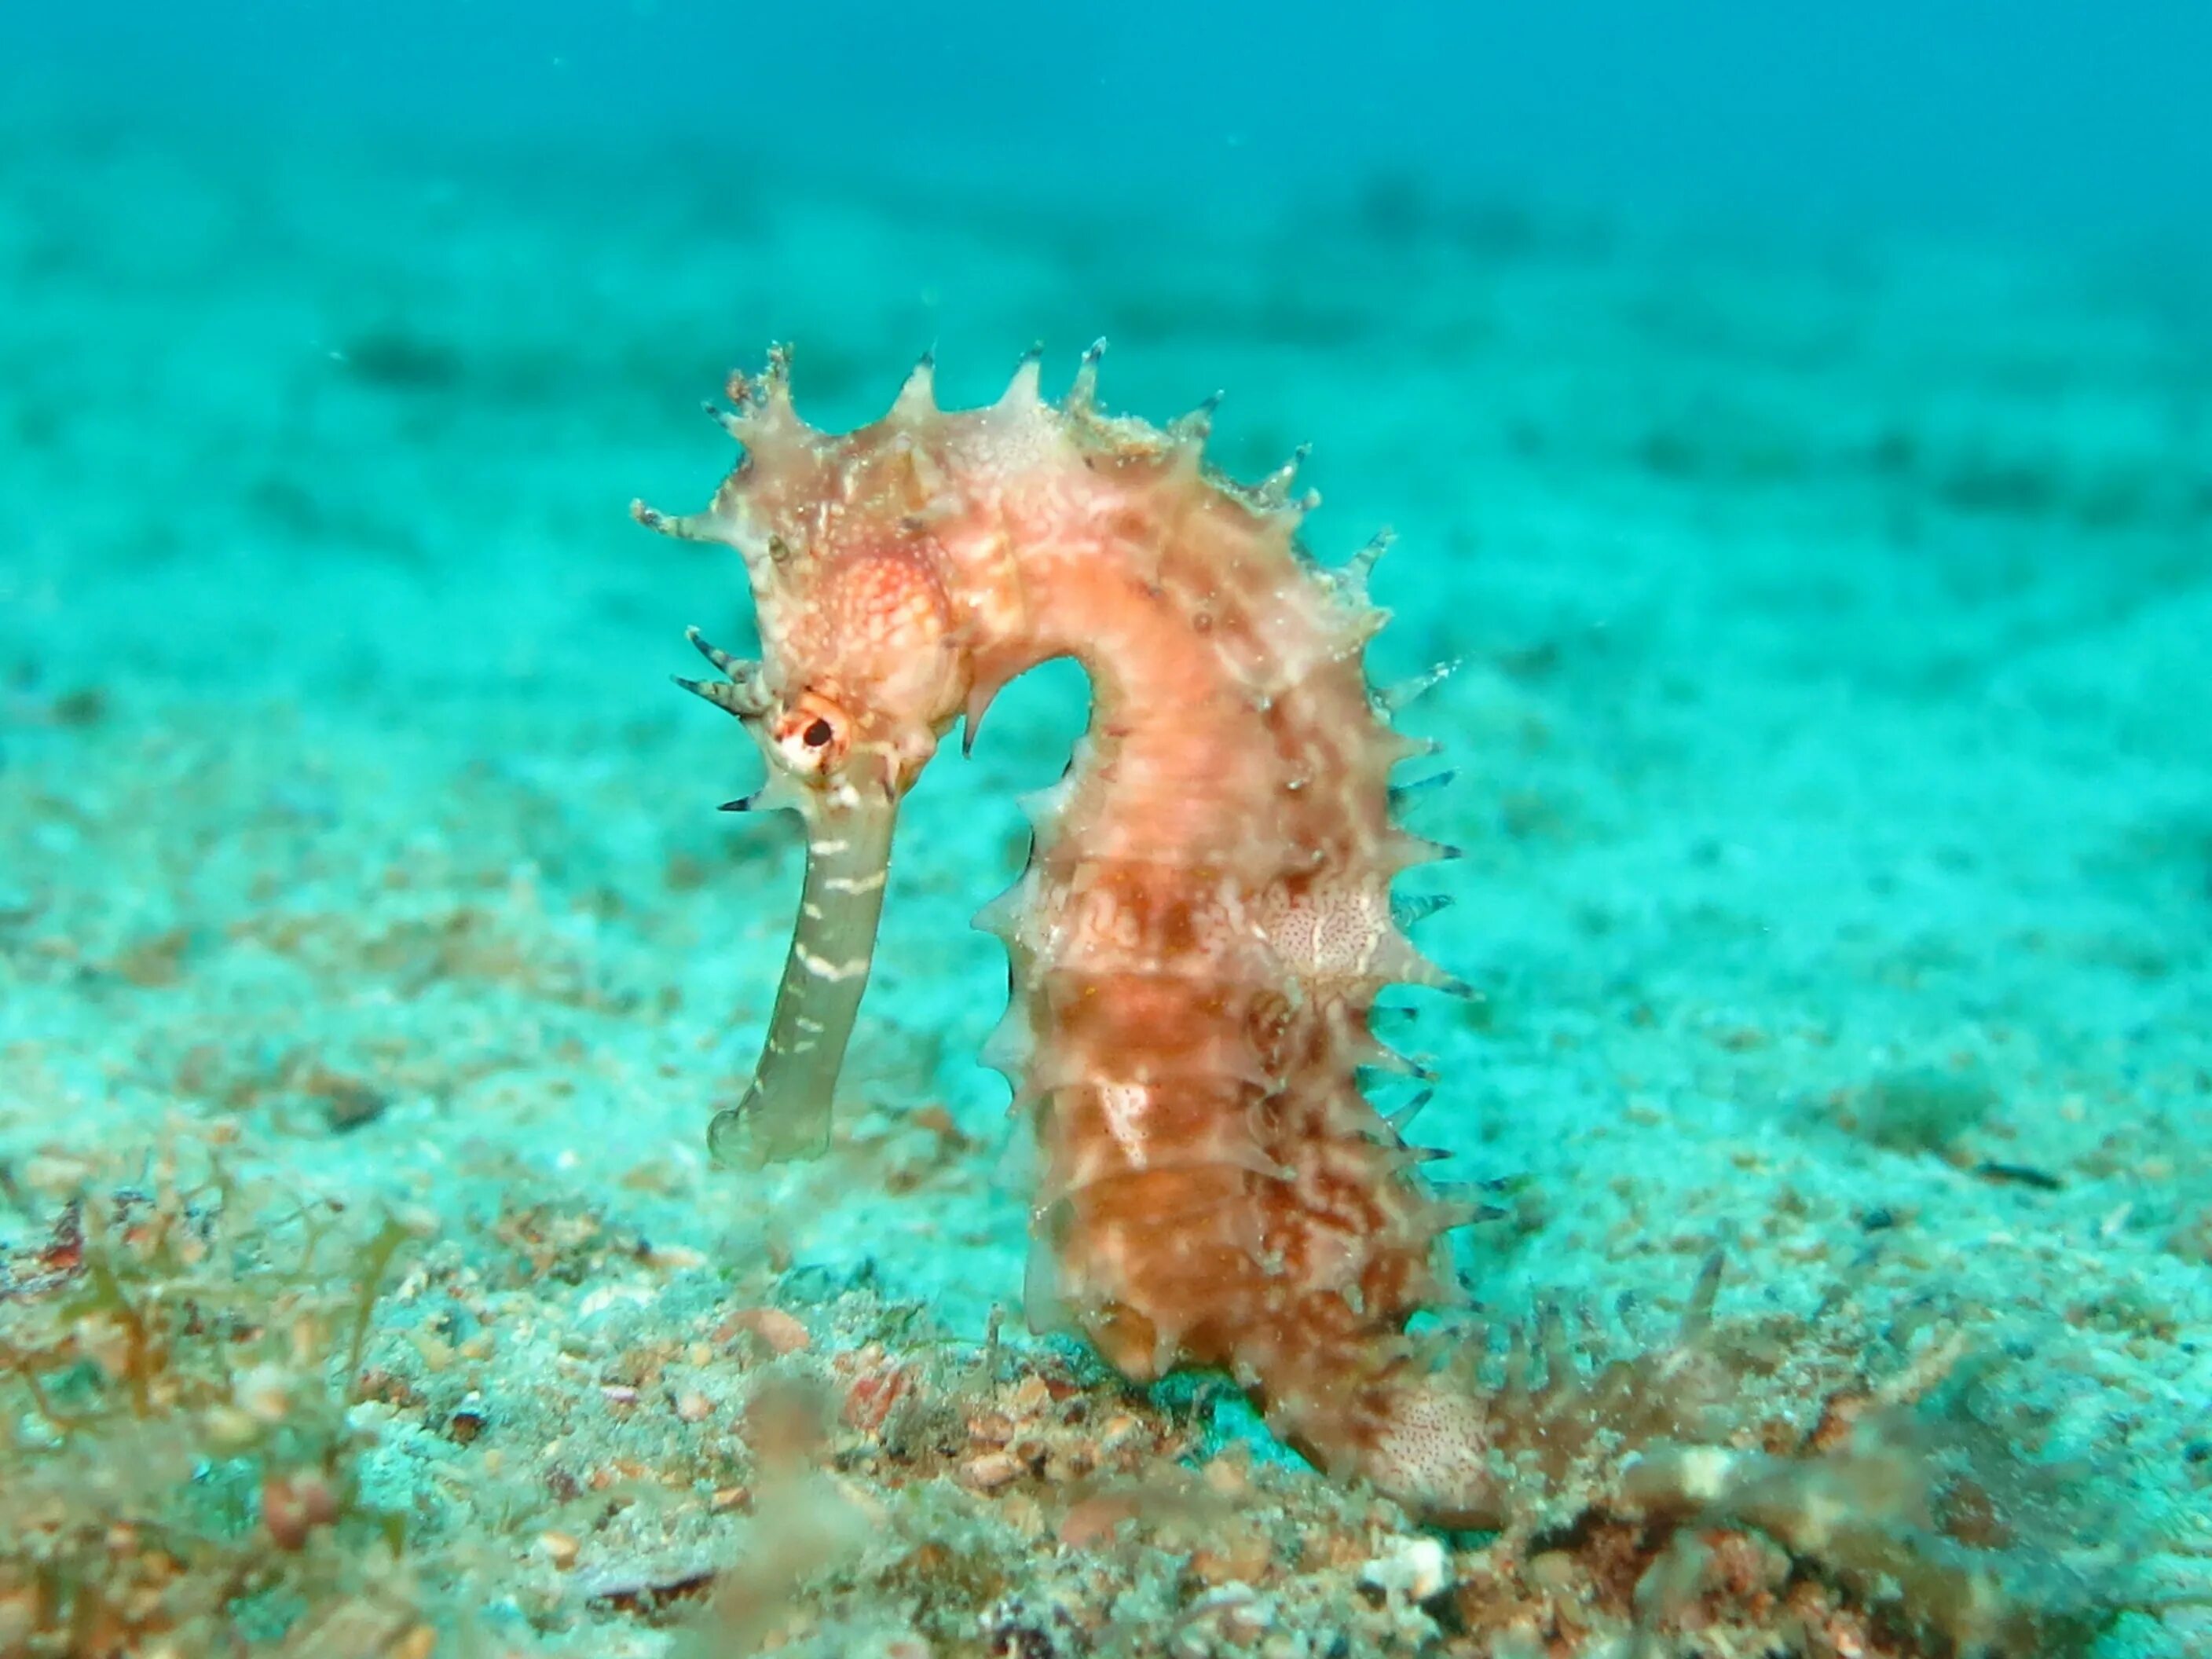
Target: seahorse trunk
column 1196, row 944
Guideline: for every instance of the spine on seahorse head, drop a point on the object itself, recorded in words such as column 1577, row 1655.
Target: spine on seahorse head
column 1205, row 919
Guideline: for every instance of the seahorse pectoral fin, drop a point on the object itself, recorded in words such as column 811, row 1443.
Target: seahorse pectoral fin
column 785, row 1113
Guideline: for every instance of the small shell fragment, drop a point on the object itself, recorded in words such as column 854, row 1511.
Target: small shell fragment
column 990, row 1471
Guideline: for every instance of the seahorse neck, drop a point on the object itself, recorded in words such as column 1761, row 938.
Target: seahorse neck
column 1173, row 733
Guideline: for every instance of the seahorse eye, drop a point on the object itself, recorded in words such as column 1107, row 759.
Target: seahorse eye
column 811, row 735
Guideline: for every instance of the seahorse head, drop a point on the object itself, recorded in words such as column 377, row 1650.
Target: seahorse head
column 858, row 660
column 861, row 671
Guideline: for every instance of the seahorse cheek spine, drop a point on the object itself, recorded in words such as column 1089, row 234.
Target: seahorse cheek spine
column 1205, row 917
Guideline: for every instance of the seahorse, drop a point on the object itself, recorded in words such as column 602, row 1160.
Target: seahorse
column 1197, row 942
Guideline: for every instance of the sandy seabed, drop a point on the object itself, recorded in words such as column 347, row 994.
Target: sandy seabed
column 1834, row 737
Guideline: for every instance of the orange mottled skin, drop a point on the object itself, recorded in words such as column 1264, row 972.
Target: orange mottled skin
column 1205, row 921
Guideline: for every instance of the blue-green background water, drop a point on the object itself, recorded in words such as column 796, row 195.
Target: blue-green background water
column 1798, row 421
column 2044, row 115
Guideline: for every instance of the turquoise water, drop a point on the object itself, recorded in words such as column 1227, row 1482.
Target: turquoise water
column 1799, row 430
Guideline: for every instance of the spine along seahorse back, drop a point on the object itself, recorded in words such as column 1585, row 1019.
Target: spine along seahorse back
column 1205, row 920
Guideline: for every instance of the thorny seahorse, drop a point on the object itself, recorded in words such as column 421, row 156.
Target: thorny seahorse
column 1205, row 920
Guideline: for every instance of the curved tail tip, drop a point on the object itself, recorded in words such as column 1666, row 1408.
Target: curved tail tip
column 1431, row 1452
